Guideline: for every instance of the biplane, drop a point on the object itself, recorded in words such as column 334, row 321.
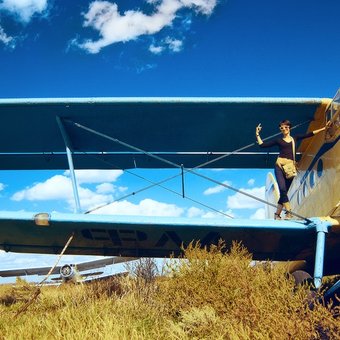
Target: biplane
column 186, row 134
column 69, row 272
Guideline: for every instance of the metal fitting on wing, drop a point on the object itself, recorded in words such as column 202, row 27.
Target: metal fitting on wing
column 42, row 219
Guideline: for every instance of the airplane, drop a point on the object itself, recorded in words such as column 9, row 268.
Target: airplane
column 68, row 272
column 186, row 134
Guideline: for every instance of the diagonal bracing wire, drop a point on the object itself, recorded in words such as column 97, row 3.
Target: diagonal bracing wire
column 153, row 184
column 197, row 167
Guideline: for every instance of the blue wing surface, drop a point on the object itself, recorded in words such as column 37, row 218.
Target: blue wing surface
column 188, row 131
column 136, row 236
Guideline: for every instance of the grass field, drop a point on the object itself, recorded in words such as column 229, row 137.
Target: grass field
column 209, row 295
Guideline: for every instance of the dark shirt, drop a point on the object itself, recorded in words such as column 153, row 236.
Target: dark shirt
column 286, row 150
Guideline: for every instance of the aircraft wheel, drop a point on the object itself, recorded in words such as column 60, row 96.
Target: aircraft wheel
column 300, row 276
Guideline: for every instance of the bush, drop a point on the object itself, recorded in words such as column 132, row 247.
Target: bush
column 208, row 294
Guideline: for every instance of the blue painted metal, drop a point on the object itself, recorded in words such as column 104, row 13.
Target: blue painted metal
column 331, row 291
column 68, row 146
column 164, row 236
column 321, row 228
column 153, row 221
column 74, row 181
column 150, row 236
column 188, row 130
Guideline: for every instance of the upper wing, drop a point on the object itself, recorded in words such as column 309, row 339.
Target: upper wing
column 188, row 131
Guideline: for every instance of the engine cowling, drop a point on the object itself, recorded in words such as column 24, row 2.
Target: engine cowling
column 68, row 272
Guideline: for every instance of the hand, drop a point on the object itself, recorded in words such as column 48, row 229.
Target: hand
column 258, row 129
column 329, row 123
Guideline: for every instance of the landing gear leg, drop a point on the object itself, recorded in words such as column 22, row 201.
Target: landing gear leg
column 321, row 229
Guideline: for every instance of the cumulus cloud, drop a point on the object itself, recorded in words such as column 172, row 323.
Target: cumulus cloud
column 24, row 10
column 55, row 188
column 95, row 176
column 216, row 189
column 6, row 39
column 196, row 212
column 89, row 199
column 251, row 182
column 59, row 187
column 156, row 49
column 105, row 188
column 215, row 214
column 173, row 45
column 2, row 186
column 104, row 17
column 240, row 201
column 260, row 214
column 146, row 207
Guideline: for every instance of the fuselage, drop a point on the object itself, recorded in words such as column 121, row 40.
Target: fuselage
column 315, row 191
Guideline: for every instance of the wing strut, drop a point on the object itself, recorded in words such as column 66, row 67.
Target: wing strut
column 68, row 146
column 321, row 230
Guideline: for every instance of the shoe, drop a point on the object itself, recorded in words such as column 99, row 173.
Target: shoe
column 288, row 215
column 277, row 216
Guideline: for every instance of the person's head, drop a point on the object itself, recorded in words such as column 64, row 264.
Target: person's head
column 285, row 125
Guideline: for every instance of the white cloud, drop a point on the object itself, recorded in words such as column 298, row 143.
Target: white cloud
column 2, row 186
column 203, row 6
column 95, row 176
column 240, row 201
column 216, row 189
column 56, row 187
column 59, row 187
column 195, row 212
column 113, row 27
column 24, row 9
column 174, row 45
column 156, row 49
column 89, row 199
column 251, row 182
column 260, row 214
column 4, row 38
column 105, row 188
column 146, row 207
column 215, row 214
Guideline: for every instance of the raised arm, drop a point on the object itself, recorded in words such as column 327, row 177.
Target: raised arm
column 322, row 129
column 260, row 141
column 312, row 133
column 257, row 134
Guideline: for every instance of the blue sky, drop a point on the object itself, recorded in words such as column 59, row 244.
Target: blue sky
column 170, row 48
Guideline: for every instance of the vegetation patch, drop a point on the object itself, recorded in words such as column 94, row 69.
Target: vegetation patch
column 209, row 294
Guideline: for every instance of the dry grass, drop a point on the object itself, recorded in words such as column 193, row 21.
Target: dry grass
column 210, row 295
